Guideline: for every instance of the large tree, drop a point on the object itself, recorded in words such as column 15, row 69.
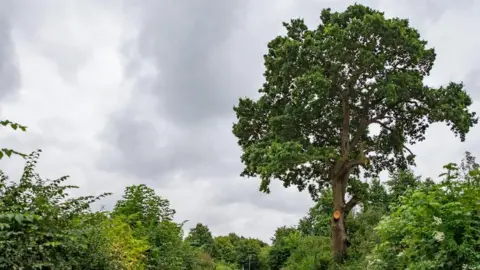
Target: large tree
column 326, row 87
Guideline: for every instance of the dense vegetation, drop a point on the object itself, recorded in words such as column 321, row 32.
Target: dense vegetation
column 419, row 224
column 42, row 227
column 405, row 222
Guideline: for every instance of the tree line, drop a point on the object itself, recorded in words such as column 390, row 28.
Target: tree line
column 404, row 223
column 43, row 227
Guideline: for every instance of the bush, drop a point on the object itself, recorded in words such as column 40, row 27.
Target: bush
column 311, row 252
column 39, row 225
column 434, row 227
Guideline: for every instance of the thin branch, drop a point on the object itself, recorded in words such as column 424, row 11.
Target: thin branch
column 351, row 204
column 352, row 163
column 392, row 131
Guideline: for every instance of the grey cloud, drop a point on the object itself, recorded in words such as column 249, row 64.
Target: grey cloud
column 9, row 74
column 183, row 39
column 68, row 59
column 472, row 83
column 148, row 152
column 246, row 191
column 432, row 10
column 34, row 23
column 420, row 12
column 192, row 88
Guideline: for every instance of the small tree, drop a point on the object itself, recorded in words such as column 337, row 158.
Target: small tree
column 326, row 87
column 248, row 253
column 201, row 237
column 141, row 205
column 224, row 250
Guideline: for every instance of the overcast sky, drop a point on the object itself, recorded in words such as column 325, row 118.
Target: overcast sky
column 126, row 92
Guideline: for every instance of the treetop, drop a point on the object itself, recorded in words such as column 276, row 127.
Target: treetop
column 325, row 87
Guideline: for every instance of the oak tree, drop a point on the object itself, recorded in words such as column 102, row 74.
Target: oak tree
column 326, row 87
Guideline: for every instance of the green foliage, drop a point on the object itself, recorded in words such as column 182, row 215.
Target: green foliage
column 224, row 266
column 150, row 218
column 377, row 200
column 362, row 237
column 42, row 227
column 224, row 250
column 318, row 220
column 436, row 227
column 39, row 225
column 311, row 252
column 420, row 225
column 143, row 207
column 324, row 88
column 376, row 196
column 201, row 237
column 248, row 253
column 127, row 251
column 282, row 246
column 6, row 151
column 401, row 181
column 166, row 245
column 264, row 256
column 91, row 248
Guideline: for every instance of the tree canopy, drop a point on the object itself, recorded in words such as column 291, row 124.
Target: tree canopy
column 326, row 86
column 201, row 237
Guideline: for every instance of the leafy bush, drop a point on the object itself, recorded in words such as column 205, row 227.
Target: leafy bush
column 311, row 252
column 434, row 227
column 39, row 224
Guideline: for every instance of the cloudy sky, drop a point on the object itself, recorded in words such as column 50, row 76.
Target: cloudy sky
column 125, row 92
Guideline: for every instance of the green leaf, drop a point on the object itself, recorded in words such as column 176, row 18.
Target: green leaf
column 8, row 152
column 18, row 218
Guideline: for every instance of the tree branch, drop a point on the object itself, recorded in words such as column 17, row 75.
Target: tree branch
column 353, row 163
column 351, row 204
column 345, row 127
column 365, row 122
column 392, row 131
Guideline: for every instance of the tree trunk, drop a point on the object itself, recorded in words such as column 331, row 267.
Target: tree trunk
column 339, row 233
